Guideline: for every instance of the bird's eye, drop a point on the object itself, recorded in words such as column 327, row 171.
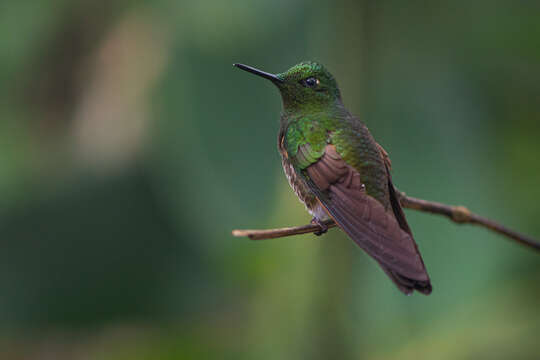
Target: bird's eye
column 311, row 82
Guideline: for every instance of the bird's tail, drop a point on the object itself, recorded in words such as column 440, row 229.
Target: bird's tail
column 407, row 285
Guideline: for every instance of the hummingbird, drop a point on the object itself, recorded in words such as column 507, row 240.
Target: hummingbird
column 338, row 170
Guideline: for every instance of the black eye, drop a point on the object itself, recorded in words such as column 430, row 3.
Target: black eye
column 311, row 82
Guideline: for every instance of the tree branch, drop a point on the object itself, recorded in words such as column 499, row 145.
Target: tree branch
column 458, row 214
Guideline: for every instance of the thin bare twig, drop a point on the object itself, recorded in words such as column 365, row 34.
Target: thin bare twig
column 281, row 232
column 458, row 214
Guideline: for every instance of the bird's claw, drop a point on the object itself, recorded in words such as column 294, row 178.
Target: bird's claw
column 323, row 227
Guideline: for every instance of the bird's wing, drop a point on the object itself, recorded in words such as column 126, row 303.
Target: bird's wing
column 383, row 234
column 394, row 200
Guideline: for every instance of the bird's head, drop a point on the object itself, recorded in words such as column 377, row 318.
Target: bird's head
column 306, row 86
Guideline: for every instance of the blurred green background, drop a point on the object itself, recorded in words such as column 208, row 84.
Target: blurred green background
column 130, row 148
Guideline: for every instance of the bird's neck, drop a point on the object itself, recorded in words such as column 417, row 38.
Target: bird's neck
column 293, row 109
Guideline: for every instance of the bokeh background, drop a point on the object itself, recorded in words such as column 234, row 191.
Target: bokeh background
column 130, row 148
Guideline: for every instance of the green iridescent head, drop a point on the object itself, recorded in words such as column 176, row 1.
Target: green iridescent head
column 306, row 86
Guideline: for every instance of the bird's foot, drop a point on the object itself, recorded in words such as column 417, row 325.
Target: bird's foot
column 323, row 227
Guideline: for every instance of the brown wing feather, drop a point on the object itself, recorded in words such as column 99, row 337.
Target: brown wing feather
column 383, row 234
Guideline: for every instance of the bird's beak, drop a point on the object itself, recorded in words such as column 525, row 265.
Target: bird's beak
column 273, row 78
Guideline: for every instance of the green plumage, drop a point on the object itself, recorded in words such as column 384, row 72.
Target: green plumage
column 351, row 139
column 338, row 170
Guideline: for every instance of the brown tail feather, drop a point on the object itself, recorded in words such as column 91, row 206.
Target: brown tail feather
column 407, row 285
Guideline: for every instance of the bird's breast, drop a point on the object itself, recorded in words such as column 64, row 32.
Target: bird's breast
column 299, row 186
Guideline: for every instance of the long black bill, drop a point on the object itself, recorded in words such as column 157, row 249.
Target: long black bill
column 260, row 73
